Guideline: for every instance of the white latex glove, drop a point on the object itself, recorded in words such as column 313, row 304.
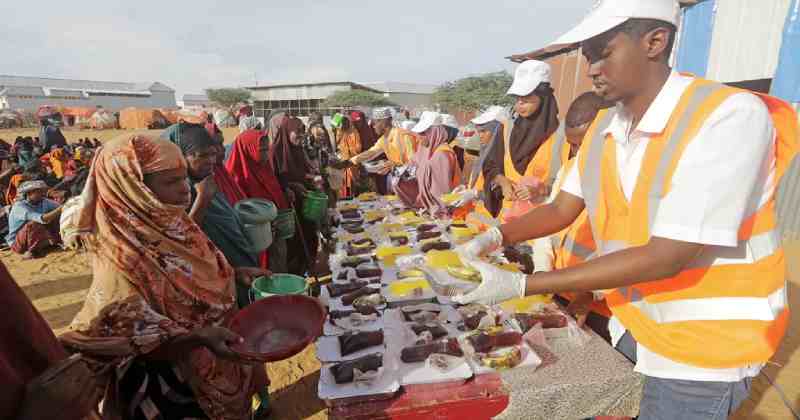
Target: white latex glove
column 467, row 196
column 497, row 285
column 408, row 262
column 483, row 244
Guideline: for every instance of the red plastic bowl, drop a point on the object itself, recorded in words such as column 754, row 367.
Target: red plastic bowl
column 278, row 327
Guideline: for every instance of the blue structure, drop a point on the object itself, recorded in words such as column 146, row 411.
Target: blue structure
column 696, row 34
column 786, row 84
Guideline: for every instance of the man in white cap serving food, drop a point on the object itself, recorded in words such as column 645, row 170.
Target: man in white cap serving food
column 688, row 256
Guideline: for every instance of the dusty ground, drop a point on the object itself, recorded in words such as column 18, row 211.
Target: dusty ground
column 58, row 284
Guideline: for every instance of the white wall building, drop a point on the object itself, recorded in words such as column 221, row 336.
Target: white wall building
column 29, row 93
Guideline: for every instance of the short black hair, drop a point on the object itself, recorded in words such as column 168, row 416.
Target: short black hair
column 635, row 28
column 584, row 109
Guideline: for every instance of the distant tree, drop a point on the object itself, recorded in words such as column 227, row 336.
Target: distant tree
column 356, row 97
column 475, row 92
column 229, row 98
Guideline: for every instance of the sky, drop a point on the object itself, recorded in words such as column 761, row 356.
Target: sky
column 191, row 46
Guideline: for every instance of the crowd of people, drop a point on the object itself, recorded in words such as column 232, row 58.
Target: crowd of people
column 608, row 225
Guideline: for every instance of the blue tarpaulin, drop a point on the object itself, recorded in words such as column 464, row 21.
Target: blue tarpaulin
column 695, row 42
column 786, row 84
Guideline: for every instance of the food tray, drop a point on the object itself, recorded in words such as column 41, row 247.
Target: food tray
column 328, row 349
column 333, row 330
column 388, row 383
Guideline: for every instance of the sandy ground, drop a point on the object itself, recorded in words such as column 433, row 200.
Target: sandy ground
column 57, row 285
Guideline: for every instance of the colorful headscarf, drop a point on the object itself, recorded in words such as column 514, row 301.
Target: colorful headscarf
column 255, row 177
column 156, row 275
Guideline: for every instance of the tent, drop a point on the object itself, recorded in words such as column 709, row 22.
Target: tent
column 185, row 115
column 11, row 119
column 102, row 120
column 77, row 116
column 141, row 118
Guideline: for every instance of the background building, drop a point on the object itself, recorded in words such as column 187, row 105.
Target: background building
column 305, row 98
column 29, row 93
column 196, row 101
column 412, row 96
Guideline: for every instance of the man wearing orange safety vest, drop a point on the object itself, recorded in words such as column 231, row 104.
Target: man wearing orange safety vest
column 574, row 245
column 679, row 183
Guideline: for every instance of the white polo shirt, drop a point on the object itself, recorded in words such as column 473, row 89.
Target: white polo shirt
column 725, row 173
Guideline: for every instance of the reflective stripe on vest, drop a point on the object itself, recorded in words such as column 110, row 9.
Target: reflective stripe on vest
column 555, row 154
column 728, row 307
column 577, row 249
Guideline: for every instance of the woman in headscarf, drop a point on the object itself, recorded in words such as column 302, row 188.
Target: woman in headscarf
column 250, row 169
column 511, row 160
column 348, row 144
column 369, row 137
column 293, row 170
column 153, row 321
column 24, row 150
column 58, row 162
column 437, row 169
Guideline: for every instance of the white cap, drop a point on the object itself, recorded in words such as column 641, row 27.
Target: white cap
column 607, row 14
column 493, row 113
column 450, row 121
column 407, row 125
column 528, row 76
column 427, row 120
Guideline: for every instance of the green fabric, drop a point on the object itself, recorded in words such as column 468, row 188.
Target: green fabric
column 223, row 226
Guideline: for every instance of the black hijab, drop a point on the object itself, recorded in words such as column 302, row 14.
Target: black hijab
column 528, row 134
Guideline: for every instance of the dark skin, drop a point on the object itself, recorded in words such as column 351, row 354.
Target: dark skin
column 201, row 165
column 630, row 71
column 35, row 197
column 381, row 127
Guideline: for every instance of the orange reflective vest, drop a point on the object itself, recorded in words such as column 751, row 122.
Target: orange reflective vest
column 715, row 313
column 399, row 145
column 576, row 245
column 552, row 154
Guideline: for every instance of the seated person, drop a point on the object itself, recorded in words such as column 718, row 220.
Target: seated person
column 33, row 221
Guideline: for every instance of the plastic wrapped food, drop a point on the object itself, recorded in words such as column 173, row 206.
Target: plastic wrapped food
column 409, row 287
column 354, row 229
column 485, row 342
column 438, row 246
column 372, row 300
column 476, row 315
column 420, row 353
column 343, row 373
column 525, row 259
column 465, row 273
column 418, row 313
column 351, row 342
column 350, row 214
column 342, row 275
column 336, row 290
column 354, row 262
column 426, row 227
column 422, row 236
column 442, row 259
column 399, row 240
column 547, row 319
column 364, row 310
column 366, row 273
column 436, row 330
column 505, row 358
column 349, row 298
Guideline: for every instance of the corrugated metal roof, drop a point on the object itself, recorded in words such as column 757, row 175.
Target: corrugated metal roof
column 401, row 87
column 746, row 40
column 305, row 84
column 84, row 85
column 22, row 90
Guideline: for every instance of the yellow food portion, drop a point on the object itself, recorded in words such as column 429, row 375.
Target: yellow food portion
column 442, row 259
column 450, row 198
column 386, row 251
column 348, row 206
column 460, row 232
column 395, row 235
column 368, row 196
column 529, row 304
column 405, row 288
column 514, row 268
column 410, row 274
column 503, row 359
column 465, row 273
column 392, row 198
column 411, row 219
column 391, row 227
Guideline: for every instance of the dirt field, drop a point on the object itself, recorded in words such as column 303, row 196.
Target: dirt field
column 58, row 284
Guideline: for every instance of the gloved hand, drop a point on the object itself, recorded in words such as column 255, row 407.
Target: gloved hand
column 497, row 285
column 466, row 197
column 483, row 244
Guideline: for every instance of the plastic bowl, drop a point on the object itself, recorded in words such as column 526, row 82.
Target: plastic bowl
column 277, row 327
column 279, row 284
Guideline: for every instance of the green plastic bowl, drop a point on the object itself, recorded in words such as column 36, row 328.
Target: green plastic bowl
column 315, row 206
column 279, row 284
column 284, row 224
